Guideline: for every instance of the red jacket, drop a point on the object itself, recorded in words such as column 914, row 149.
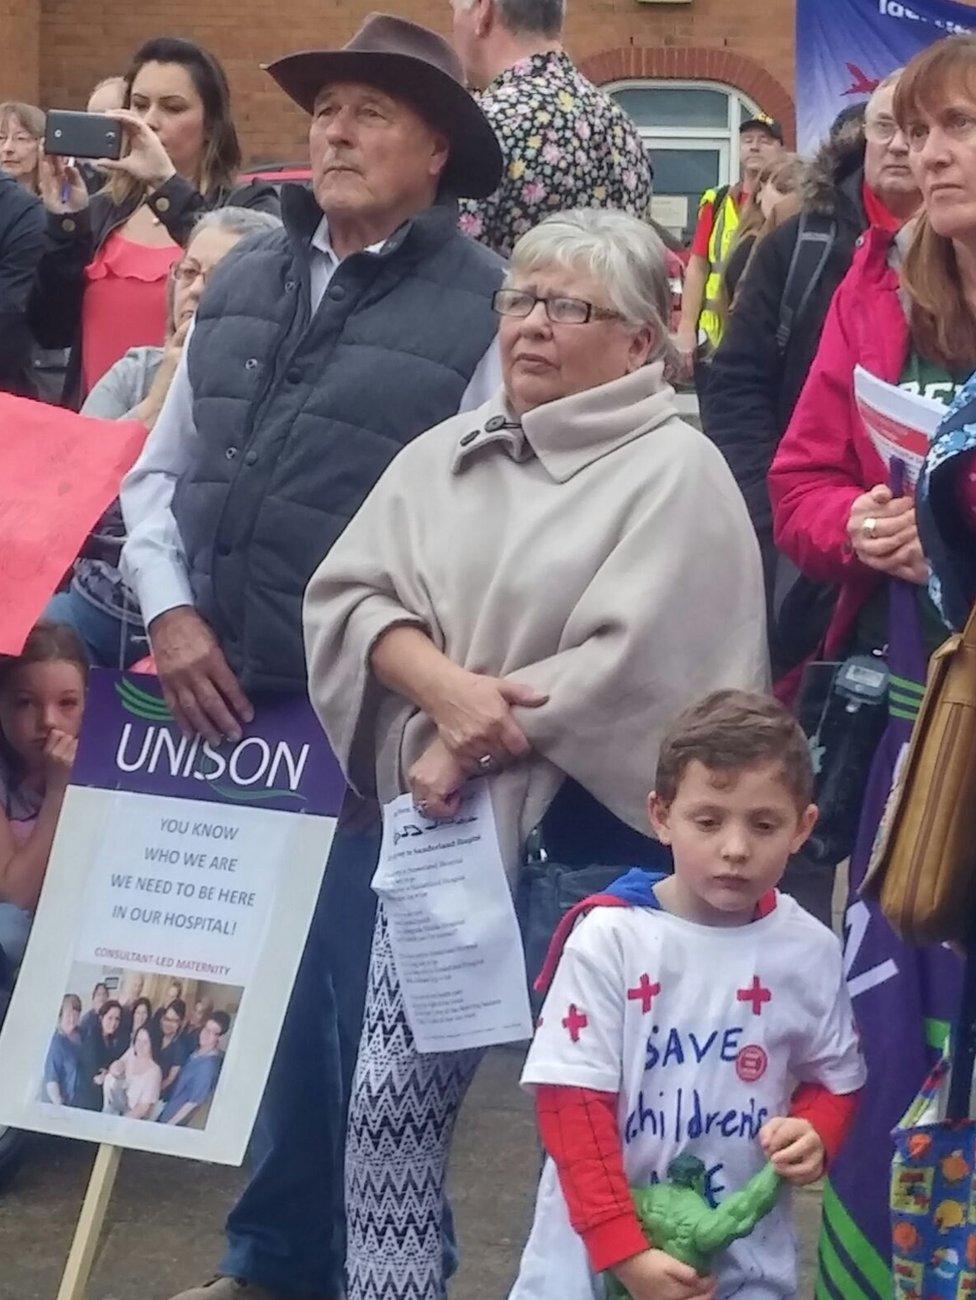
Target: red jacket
column 826, row 459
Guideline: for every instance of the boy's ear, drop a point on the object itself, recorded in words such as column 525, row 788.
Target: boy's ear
column 804, row 828
column 658, row 815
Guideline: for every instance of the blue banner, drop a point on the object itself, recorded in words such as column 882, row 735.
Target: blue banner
column 845, row 47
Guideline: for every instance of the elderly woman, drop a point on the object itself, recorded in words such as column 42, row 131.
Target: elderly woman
column 530, row 592
column 21, row 138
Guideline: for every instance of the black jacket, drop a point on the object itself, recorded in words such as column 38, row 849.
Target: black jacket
column 752, row 387
column 21, row 244
column 298, row 415
column 72, row 240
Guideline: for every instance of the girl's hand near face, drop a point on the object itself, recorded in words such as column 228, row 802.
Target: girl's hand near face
column 59, row 757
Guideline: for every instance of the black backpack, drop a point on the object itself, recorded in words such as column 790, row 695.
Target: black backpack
column 802, row 608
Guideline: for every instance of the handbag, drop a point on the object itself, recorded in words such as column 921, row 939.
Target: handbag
column 923, row 866
column 933, row 1175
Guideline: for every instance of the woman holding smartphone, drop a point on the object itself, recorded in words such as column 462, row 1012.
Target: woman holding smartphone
column 101, row 284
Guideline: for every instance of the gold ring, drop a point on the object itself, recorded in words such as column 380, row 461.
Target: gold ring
column 870, row 526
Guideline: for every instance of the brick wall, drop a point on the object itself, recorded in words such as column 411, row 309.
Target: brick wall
column 80, row 43
column 19, row 49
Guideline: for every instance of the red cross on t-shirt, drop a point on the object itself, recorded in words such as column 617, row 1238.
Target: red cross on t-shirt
column 575, row 1021
column 644, row 992
column 755, row 994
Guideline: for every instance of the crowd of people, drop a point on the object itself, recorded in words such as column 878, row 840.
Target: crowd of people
column 413, row 452
column 125, row 1057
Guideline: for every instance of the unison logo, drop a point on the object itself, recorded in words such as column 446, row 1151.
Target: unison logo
column 252, row 770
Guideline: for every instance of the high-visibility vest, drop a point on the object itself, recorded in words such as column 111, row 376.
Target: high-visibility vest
column 725, row 223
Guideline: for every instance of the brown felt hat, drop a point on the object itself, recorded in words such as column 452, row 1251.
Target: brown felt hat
column 412, row 63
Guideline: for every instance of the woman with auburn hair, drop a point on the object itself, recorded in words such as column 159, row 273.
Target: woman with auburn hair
column 101, row 283
column 21, row 136
column 907, row 313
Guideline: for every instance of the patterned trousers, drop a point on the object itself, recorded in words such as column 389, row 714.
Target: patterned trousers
column 401, row 1121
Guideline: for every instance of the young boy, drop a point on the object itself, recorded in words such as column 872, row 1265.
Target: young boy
column 699, row 1013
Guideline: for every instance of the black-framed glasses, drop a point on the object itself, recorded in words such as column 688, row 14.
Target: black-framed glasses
column 561, row 311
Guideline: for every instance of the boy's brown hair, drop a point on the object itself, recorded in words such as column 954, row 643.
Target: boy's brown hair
column 731, row 730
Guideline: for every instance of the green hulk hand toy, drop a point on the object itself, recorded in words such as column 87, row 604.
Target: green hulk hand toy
column 678, row 1220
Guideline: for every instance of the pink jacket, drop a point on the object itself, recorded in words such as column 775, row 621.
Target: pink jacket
column 825, row 459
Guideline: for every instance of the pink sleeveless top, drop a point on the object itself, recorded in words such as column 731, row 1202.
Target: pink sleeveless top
column 124, row 304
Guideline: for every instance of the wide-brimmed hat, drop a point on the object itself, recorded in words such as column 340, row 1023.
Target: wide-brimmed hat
column 412, row 63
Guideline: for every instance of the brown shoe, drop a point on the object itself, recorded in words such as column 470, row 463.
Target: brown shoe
column 236, row 1288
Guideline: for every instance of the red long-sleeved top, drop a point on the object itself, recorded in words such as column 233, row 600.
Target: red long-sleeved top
column 579, row 1131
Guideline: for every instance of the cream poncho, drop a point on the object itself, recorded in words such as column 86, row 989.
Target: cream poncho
column 599, row 551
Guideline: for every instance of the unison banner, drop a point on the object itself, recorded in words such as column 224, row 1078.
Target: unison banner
column 177, row 901
column 845, row 47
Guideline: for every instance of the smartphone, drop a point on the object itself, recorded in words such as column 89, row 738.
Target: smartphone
column 82, row 135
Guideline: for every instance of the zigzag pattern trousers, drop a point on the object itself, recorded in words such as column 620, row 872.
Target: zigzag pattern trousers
column 401, row 1120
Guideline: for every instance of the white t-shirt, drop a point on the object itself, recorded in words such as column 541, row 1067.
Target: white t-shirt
column 704, row 1033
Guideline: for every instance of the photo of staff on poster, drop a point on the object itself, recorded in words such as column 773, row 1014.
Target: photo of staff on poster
column 179, row 894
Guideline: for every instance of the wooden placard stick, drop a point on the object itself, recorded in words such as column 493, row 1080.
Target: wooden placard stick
column 81, row 1257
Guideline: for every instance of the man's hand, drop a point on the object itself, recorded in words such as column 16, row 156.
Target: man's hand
column 883, row 534
column 203, row 694
column 473, row 714
column 435, row 782
column 686, row 346
column 654, row 1275
column 794, row 1148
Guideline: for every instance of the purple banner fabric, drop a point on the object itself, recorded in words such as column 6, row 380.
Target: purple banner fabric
column 129, row 741
column 904, row 999
column 845, row 47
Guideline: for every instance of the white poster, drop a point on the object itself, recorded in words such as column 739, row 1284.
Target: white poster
column 453, row 930
column 177, row 901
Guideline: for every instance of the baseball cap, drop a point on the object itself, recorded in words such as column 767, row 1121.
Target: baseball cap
column 760, row 120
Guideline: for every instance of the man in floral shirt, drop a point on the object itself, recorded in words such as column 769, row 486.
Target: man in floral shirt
column 566, row 144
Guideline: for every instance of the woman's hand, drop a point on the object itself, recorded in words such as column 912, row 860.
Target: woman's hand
column 149, row 408
column 883, row 534
column 59, row 756
column 435, row 782
column 654, row 1275
column 795, row 1149
column 473, row 715
column 61, row 186
column 146, row 161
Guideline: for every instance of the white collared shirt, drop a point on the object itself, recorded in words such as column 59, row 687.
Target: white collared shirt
column 154, row 559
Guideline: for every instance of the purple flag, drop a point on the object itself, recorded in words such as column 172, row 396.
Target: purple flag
column 904, row 1000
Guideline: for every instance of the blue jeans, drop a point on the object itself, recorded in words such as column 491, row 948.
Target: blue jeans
column 101, row 631
column 287, row 1231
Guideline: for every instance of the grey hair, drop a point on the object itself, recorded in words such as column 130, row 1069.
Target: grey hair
column 621, row 252
column 884, row 84
column 528, row 17
column 236, row 221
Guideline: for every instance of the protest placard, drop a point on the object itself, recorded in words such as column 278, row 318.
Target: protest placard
column 900, row 424
column 181, row 873
column 59, row 472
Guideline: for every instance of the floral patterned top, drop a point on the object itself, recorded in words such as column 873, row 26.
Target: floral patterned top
column 566, row 144
column 946, row 508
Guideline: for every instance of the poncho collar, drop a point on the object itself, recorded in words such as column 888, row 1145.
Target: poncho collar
column 573, row 432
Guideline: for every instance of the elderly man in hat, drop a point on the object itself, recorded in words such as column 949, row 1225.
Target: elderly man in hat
column 318, row 351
